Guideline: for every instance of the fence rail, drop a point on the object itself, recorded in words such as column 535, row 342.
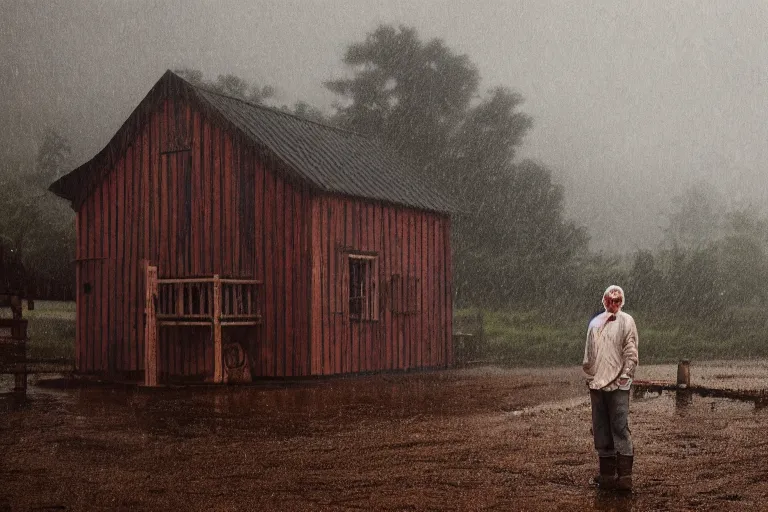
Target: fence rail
column 13, row 351
column 194, row 301
column 206, row 301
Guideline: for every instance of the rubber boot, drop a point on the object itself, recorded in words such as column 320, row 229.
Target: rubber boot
column 607, row 477
column 624, row 468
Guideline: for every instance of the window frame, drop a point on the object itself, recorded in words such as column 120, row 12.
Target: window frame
column 367, row 282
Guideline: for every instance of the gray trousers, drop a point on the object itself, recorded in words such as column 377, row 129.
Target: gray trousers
column 610, row 422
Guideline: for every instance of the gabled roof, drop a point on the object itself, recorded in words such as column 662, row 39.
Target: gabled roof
column 325, row 158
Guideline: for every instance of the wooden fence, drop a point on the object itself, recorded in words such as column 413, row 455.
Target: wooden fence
column 13, row 352
column 206, row 301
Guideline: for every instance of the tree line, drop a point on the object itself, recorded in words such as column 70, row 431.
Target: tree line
column 37, row 234
column 513, row 245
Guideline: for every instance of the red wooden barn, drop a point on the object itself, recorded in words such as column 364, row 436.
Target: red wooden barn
column 220, row 240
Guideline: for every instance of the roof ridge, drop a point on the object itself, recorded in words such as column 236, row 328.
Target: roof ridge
column 271, row 109
column 326, row 158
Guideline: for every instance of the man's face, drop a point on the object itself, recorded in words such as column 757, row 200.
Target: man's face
column 612, row 303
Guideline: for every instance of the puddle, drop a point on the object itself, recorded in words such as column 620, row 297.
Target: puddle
column 560, row 406
column 744, row 375
column 295, row 408
column 687, row 402
column 458, row 439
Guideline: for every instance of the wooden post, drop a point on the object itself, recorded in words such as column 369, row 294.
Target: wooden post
column 150, row 325
column 683, row 374
column 20, row 381
column 179, row 311
column 479, row 348
column 218, row 376
column 683, row 395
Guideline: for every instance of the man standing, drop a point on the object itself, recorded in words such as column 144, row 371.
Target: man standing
column 610, row 359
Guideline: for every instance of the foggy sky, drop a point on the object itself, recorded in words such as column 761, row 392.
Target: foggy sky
column 632, row 101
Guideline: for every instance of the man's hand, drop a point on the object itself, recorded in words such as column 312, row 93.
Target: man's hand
column 624, row 382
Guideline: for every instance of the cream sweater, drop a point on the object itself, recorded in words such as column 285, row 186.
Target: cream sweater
column 611, row 350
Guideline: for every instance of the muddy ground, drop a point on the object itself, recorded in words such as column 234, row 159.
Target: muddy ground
column 471, row 439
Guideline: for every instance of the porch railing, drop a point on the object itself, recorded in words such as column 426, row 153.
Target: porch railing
column 206, row 301
column 200, row 301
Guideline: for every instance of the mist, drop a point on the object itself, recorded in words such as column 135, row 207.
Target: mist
column 631, row 104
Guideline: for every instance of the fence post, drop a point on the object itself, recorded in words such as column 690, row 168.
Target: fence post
column 479, row 349
column 683, row 374
column 218, row 376
column 683, row 395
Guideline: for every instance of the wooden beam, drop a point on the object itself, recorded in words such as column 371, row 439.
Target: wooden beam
column 150, row 325
column 177, row 323
column 683, row 374
column 218, row 376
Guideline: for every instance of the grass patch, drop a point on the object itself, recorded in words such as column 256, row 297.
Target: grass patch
column 535, row 338
column 51, row 330
column 524, row 338
column 515, row 338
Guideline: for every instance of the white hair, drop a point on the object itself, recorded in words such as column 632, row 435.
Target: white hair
column 613, row 290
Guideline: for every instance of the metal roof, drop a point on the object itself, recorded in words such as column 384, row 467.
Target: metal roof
column 328, row 159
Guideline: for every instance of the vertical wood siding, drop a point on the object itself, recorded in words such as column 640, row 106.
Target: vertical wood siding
column 193, row 198
column 190, row 197
column 406, row 243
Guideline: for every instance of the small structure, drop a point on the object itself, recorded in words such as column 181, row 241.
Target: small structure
column 13, row 327
column 13, row 341
column 221, row 240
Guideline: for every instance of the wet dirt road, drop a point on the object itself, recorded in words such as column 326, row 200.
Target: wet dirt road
column 472, row 439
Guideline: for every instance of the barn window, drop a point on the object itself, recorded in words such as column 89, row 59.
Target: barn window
column 362, row 287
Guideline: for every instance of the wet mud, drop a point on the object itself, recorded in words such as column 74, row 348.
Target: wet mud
column 472, row 439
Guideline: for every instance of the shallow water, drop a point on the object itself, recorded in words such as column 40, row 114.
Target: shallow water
column 481, row 438
column 745, row 375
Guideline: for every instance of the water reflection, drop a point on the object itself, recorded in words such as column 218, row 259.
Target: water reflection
column 276, row 408
column 683, row 399
column 13, row 401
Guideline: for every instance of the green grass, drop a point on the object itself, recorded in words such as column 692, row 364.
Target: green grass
column 532, row 338
column 517, row 338
column 51, row 330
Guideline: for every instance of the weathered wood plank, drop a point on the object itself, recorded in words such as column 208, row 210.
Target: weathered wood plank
column 448, row 293
column 289, row 249
column 150, row 325
column 317, row 341
column 218, row 375
column 331, row 348
column 279, row 270
column 424, row 310
column 270, row 290
column 386, row 255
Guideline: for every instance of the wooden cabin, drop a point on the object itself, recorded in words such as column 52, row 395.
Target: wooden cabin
column 221, row 241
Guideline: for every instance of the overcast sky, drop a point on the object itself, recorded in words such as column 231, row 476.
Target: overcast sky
column 632, row 101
